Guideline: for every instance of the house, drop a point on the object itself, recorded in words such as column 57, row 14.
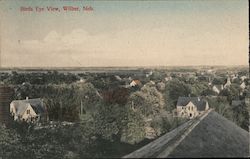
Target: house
column 217, row 88
column 82, row 80
column 149, row 74
column 152, row 82
column 243, row 78
column 243, row 85
column 29, row 110
column 190, row 107
column 228, row 83
column 168, row 78
column 118, row 78
column 209, row 71
column 135, row 83
column 234, row 77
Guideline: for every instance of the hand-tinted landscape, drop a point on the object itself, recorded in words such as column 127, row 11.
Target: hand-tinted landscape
column 111, row 112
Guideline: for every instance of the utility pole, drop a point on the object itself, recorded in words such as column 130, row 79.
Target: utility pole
column 81, row 108
column 60, row 114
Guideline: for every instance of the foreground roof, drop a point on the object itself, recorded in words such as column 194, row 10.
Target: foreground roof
column 214, row 136
column 209, row 136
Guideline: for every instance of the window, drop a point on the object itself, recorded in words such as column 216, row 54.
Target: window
column 192, row 108
column 28, row 111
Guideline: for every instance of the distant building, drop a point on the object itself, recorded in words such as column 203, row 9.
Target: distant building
column 243, row 85
column 234, row 77
column 135, row 83
column 149, row 74
column 190, row 107
column 243, row 78
column 29, row 110
column 228, row 83
column 168, row 78
column 217, row 88
column 152, row 82
column 82, row 80
column 118, row 78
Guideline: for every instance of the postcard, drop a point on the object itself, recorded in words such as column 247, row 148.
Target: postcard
column 124, row 79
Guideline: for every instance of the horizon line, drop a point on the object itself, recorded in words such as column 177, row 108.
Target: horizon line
column 86, row 67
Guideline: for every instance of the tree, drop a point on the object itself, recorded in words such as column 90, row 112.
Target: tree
column 143, row 107
column 232, row 93
column 199, row 88
column 108, row 120
column 134, row 131
column 116, row 96
column 148, row 101
column 174, row 90
column 218, row 81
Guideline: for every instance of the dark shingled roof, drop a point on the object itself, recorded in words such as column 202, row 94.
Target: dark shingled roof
column 214, row 136
column 237, row 102
column 198, row 102
column 36, row 104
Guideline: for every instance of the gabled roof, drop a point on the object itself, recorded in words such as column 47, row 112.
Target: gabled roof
column 36, row 104
column 237, row 102
column 198, row 102
column 214, row 136
column 209, row 136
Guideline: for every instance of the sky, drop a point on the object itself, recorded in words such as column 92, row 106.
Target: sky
column 124, row 33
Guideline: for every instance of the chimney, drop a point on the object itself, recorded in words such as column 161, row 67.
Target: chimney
column 27, row 98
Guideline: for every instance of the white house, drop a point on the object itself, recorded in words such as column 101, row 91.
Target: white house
column 228, row 83
column 243, row 85
column 29, row 110
column 82, row 80
column 243, row 78
column 168, row 78
column 118, row 78
column 149, row 74
column 234, row 77
column 190, row 107
column 217, row 88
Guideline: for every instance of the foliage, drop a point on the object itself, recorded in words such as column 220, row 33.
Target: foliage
column 174, row 90
column 134, row 131
column 116, row 96
column 232, row 93
column 148, row 101
column 218, row 81
column 198, row 89
column 108, row 120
